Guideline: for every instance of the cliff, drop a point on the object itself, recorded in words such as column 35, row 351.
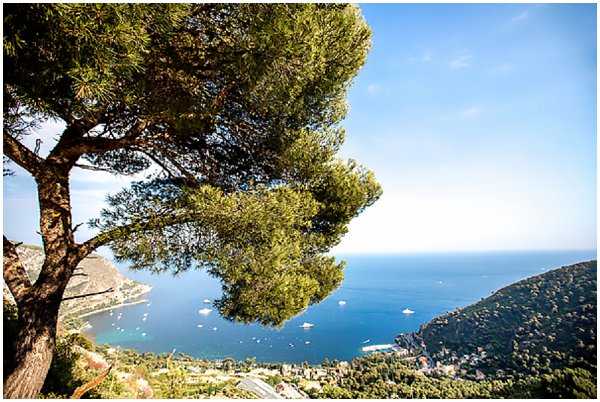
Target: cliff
column 94, row 274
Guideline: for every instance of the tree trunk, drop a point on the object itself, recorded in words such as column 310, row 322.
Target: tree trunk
column 38, row 311
column 34, row 348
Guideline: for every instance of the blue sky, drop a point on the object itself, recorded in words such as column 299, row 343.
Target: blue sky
column 479, row 121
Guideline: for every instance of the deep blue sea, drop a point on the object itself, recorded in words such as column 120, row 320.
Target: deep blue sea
column 376, row 289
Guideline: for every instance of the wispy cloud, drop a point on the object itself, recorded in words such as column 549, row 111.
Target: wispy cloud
column 374, row 89
column 471, row 112
column 462, row 61
column 425, row 57
column 520, row 17
column 503, row 68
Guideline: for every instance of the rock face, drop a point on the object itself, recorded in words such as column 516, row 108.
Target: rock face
column 94, row 274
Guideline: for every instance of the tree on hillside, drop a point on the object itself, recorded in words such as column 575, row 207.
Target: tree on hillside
column 232, row 111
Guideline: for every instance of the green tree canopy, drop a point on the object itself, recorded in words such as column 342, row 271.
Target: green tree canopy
column 233, row 111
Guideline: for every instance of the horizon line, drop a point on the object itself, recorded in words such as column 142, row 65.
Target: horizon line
column 595, row 250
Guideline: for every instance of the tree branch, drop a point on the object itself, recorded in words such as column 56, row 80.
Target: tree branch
column 158, row 162
column 95, row 168
column 93, row 383
column 74, row 144
column 15, row 275
column 88, row 294
column 22, row 155
column 122, row 231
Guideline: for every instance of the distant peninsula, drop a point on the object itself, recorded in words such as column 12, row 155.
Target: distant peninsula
column 530, row 327
column 95, row 274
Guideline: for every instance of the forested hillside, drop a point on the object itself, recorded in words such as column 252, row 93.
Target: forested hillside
column 388, row 375
column 531, row 327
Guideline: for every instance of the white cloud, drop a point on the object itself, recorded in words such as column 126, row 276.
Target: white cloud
column 520, row 17
column 425, row 57
column 462, row 61
column 374, row 89
column 503, row 68
column 470, row 112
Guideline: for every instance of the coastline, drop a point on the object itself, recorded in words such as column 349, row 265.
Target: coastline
column 78, row 323
column 125, row 304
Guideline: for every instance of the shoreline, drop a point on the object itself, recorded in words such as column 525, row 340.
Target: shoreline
column 113, row 307
column 76, row 316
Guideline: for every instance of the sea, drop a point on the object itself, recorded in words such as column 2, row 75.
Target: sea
column 367, row 309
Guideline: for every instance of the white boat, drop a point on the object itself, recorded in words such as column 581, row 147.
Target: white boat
column 214, row 328
column 199, row 325
column 307, row 325
column 144, row 319
column 204, row 311
column 206, row 301
column 143, row 334
column 367, row 341
column 342, row 302
column 137, row 328
column 374, row 348
column 307, row 342
column 407, row 311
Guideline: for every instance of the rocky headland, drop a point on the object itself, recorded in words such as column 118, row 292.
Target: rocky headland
column 95, row 274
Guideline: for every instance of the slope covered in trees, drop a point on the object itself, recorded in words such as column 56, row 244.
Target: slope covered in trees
column 530, row 327
column 388, row 375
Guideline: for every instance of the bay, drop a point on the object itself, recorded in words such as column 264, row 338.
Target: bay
column 375, row 291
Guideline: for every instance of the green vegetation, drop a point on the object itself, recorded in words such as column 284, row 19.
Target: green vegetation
column 390, row 376
column 231, row 114
column 532, row 327
column 572, row 374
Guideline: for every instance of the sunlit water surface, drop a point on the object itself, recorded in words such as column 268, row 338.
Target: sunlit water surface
column 376, row 289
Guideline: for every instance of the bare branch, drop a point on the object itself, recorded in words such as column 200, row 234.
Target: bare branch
column 74, row 144
column 38, row 144
column 77, row 227
column 15, row 275
column 88, row 294
column 158, row 162
column 95, row 168
column 22, row 155
column 93, row 383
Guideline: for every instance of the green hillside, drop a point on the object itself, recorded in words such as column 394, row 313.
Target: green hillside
column 530, row 327
column 387, row 375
